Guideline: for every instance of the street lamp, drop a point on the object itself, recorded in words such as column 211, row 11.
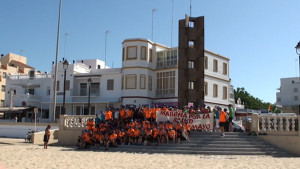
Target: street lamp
column 298, row 52
column 65, row 66
column 89, row 94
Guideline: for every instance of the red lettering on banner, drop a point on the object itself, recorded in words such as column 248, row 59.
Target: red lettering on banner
column 206, row 116
column 175, row 114
column 184, row 115
column 171, row 113
column 201, row 127
column 180, row 114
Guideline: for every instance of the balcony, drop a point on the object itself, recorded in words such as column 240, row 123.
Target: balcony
column 163, row 93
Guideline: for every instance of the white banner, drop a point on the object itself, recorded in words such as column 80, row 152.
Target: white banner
column 197, row 121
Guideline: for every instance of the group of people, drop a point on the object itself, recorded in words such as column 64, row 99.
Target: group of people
column 132, row 125
column 135, row 126
column 222, row 117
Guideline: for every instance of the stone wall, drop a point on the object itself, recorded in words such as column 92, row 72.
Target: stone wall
column 38, row 138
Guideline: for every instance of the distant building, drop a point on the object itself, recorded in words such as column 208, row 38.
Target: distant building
column 149, row 75
column 11, row 64
column 288, row 96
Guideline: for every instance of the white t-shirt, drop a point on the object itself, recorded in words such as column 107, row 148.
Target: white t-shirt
column 117, row 113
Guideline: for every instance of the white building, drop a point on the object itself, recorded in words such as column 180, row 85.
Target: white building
column 288, row 96
column 149, row 75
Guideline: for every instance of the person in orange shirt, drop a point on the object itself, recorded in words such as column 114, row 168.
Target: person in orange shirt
column 90, row 124
column 108, row 116
column 122, row 115
column 179, row 129
column 163, row 135
column 172, row 135
column 147, row 113
column 222, row 120
column 136, row 134
column 148, row 135
column 121, row 136
column 113, row 139
column 129, row 114
column 130, row 134
column 187, row 127
column 155, row 135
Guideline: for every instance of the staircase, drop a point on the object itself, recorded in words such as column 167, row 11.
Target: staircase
column 211, row 143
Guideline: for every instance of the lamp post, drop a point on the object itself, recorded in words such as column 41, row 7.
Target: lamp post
column 89, row 94
column 65, row 66
column 298, row 52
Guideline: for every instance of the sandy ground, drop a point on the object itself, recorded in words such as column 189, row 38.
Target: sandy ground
column 14, row 153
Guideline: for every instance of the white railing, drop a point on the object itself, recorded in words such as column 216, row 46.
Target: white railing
column 75, row 121
column 272, row 124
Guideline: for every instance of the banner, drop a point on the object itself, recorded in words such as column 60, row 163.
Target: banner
column 197, row 121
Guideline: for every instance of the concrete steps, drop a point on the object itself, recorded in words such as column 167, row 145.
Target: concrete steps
column 210, row 143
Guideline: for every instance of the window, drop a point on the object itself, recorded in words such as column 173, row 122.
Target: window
column 2, row 103
column 95, row 89
column 278, row 99
column 150, row 83
column 3, row 88
column 205, row 89
column 67, row 84
column 57, row 85
column 191, row 44
column 191, row 65
column 150, row 55
column 143, row 53
column 295, row 90
column 215, row 90
column 99, row 66
column 83, row 89
column 123, row 54
column 295, row 98
column 205, row 62
column 191, row 85
column 224, row 92
column 131, row 52
column 48, row 91
column 142, row 81
column 29, row 91
column 130, row 81
column 215, row 65
column 166, row 83
column 110, row 84
column 122, row 83
column 225, row 69
column 191, row 24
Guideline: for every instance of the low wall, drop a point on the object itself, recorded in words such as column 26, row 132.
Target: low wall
column 288, row 143
column 68, row 137
column 38, row 138
column 27, row 124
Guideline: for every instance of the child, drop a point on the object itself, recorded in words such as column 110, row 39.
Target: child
column 172, row 135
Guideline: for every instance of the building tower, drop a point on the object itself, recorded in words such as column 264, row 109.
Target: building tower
column 191, row 61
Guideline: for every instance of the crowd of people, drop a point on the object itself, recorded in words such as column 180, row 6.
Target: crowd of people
column 132, row 125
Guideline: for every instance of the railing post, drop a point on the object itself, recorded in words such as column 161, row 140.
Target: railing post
column 254, row 123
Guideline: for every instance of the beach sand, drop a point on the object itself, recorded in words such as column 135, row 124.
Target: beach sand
column 14, row 153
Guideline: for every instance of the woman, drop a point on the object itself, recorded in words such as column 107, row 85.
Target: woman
column 47, row 136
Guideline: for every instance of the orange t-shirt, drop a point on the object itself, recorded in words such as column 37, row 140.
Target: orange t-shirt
column 178, row 127
column 147, row 112
column 90, row 125
column 121, row 134
column 131, row 132
column 122, row 114
column 155, row 133
column 171, row 133
column 113, row 137
column 137, row 132
column 222, row 116
column 153, row 112
column 108, row 115
column 187, row 127
column 129, row 113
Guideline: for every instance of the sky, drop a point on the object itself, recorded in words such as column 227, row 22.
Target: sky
column 259, row 36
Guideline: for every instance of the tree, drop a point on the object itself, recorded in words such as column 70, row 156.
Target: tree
column 252, row 102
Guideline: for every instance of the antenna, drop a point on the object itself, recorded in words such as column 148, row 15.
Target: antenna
column 153, row 10
column 106, row 32
column 190, row 8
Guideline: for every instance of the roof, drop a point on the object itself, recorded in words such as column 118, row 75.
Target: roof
column 25, row 65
